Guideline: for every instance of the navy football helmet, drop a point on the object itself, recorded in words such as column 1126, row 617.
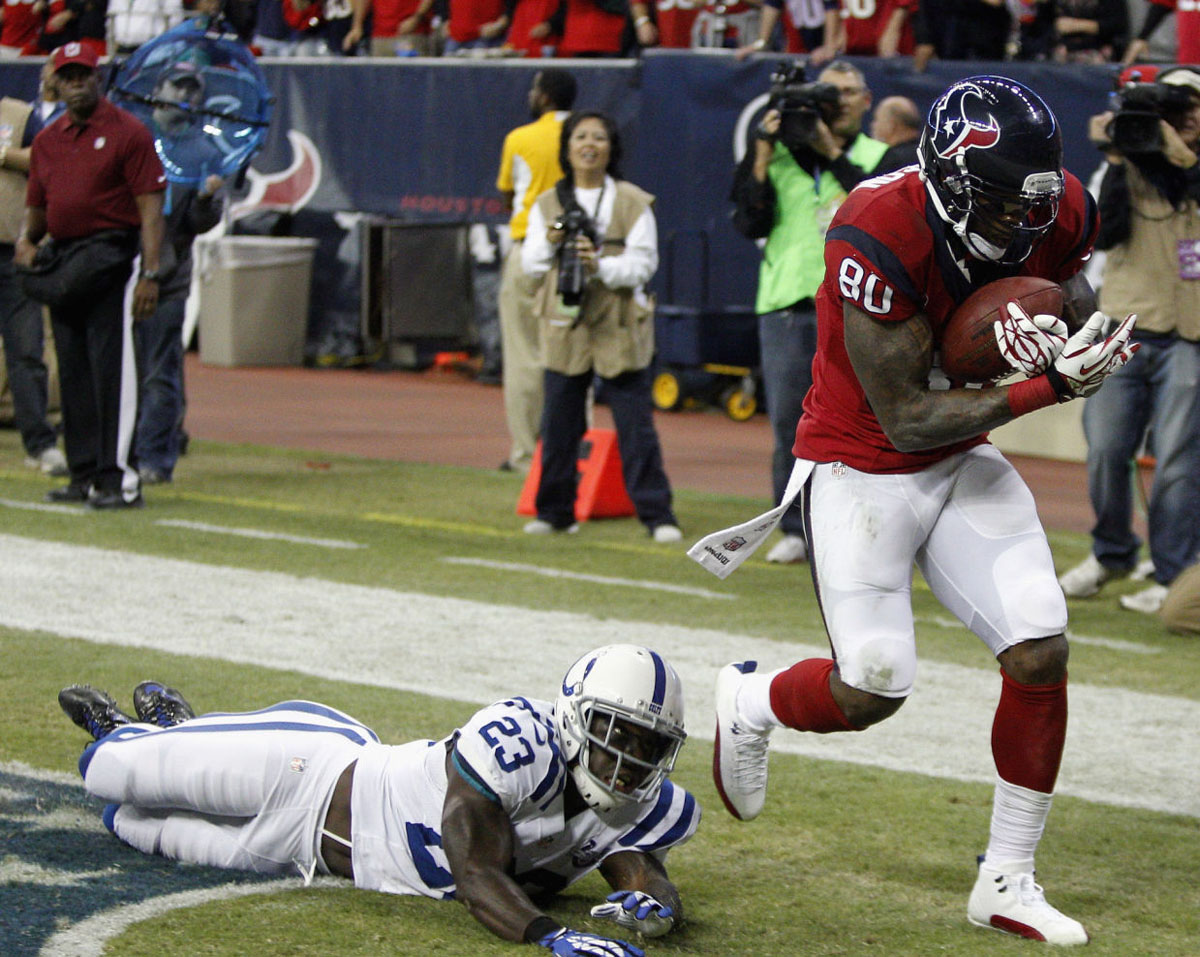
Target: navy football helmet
column 991, row 159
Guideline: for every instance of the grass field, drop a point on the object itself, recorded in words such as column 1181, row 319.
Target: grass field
column 405, row 594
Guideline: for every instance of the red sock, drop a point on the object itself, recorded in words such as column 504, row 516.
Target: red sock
column 1028, row 733
column 801, row 699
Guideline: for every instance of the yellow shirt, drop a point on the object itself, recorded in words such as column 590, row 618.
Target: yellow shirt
column 529, row 165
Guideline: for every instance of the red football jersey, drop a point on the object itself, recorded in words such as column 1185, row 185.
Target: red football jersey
column 864, row 20
column 467, row 16
column 889, row 254
column 21, row 26
column 675, row 21
column 527, row 15
column 1187, row 29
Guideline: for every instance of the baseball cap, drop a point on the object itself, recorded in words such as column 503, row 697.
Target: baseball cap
column 1182, row 76
column 75, row 52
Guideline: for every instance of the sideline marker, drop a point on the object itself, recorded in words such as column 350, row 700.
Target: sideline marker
column 601, row 490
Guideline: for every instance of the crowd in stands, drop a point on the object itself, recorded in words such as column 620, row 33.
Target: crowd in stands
column 1063, row 31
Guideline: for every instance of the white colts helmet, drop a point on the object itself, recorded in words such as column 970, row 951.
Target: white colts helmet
column 630, row 685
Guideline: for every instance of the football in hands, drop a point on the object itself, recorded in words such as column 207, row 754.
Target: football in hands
column 969, row 350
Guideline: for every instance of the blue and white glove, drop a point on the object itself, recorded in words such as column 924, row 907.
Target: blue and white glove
column 638, row 911
column 576, row 943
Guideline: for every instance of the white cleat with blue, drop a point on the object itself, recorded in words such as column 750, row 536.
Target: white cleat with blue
column 740, row 752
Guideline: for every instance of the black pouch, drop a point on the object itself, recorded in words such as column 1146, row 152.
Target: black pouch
column 68, row 272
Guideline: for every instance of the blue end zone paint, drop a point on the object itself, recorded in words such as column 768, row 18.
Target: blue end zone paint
column 92, row 870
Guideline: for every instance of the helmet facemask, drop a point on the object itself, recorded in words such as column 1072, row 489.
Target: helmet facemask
column 991, row 159
column 636, row 752
column 620, row 722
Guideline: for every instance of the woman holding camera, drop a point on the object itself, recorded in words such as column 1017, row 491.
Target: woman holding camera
column 593, row 241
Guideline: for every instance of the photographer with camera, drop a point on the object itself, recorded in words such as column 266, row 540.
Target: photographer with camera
column 1150, row 227
column 808, row 152
column 592, row 241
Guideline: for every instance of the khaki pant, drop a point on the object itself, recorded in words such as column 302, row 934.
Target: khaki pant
column 521, row 346
column 1181, row 611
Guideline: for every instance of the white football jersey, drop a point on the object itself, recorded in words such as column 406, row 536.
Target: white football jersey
column 509, row 752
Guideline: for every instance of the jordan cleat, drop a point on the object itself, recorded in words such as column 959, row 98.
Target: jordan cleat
column 155, row 703
column 740, row 752
column 1014, row 904
column 92, row 709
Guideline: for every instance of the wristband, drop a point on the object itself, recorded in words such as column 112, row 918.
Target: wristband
column 1030, row 395
column 758, row 44
column 540, row 927
column 151, row 274
column 640, row 20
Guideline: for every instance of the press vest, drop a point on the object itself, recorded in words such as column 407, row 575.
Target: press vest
column 614, row 331
column 1143, row 274
column 14, row 115
column 793, row 262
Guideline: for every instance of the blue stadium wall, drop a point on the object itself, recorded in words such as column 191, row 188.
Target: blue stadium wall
column 419, row 140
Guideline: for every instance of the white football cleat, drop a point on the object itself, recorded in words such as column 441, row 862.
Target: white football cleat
column 540, row 527
column 1087, row 578
column 665, row 534
column 739, row 752
column 1148, row 601
column 788, row 550
column 1014, row 904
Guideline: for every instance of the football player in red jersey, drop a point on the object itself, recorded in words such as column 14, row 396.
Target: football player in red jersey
column 893, row 467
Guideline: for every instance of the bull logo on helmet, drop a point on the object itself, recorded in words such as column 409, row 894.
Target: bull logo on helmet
column 955, row 131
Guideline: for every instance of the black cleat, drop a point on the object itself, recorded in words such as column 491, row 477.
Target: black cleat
column 155, row 703
column 74, row 494
column 93, row 710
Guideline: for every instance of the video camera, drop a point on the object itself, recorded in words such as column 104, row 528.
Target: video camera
column 572, row 279
column 801, row 103
column 1138, row 107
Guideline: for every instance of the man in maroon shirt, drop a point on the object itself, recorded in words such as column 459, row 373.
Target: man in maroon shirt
column 93, row 170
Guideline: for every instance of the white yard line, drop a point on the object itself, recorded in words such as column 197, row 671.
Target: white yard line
column 40, row 507
column 594, row 579
column 1113, row 644
column 1124, row 747
column 89, row 937
column 258, row 533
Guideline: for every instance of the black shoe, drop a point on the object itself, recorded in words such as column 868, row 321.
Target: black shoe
column 75, row 494
column 155, row 703
column 105, row 499
column 92, row 709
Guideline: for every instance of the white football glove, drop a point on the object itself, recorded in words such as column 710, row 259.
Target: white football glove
column 577, row 943
column 1087, row 360
column 637, row 910
column 1029, row 343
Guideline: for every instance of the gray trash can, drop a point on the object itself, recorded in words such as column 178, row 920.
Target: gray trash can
column 254, row 301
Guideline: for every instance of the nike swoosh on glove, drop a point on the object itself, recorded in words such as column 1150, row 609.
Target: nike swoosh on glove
column 577, row 943
column 638, row 911
column 1087, row 360
column 1029, row 343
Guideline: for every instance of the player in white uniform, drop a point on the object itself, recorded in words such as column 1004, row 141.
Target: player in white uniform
column 527, row 796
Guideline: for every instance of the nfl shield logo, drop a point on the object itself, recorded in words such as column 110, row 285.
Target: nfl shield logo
column 734, row 543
